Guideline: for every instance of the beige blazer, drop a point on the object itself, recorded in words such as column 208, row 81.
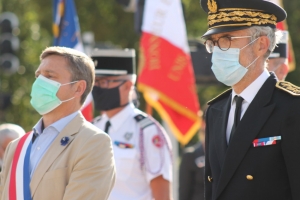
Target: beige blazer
column 83, row 169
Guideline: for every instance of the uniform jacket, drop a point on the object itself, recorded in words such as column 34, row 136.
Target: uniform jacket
column 191, row 174
column 240, row 171
column 82, row 169
column 136, row 167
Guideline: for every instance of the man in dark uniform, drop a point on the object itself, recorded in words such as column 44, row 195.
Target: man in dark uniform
column 252, row 130
column 191, row 171
column 278, row 59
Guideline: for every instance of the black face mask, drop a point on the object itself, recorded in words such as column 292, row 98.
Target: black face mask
column 106, row 99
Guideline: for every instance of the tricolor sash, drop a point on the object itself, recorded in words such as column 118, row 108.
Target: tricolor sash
column 19, row 186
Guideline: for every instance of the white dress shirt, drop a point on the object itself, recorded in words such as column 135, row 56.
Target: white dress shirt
column 248, row 95
column 45, row 139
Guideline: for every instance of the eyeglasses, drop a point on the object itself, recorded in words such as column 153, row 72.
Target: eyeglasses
column 105, row 83
column 223, row 43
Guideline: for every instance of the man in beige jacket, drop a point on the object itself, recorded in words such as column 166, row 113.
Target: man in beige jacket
column 66, row 157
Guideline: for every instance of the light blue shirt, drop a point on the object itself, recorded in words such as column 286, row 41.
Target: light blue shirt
column 45, row 139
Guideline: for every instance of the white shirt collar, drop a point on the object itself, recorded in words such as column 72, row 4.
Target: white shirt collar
column 117, row 120
column 250, row 92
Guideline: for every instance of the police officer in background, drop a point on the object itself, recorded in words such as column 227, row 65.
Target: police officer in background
column 141, row 147
column 252, row 130
column 278, row 59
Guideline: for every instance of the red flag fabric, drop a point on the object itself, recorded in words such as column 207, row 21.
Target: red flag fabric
column 166, row 76
column 87, row 108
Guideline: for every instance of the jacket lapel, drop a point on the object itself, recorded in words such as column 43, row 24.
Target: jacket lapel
column 253, row 120
column 220, row 134
column 55, row 150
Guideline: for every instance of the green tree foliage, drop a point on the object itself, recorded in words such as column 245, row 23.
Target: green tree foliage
column 110, row 24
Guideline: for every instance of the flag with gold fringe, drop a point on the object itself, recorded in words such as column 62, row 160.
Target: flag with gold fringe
column 166, row 76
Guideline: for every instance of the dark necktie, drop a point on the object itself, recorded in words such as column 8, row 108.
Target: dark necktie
column 237, row 114
column 34, row 136
column 107, row 125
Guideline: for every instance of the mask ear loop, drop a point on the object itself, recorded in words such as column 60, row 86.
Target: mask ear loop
column 67, row 100
column 248, row 44
column 69, row 83
column 71, row 97
column 252, row 63
column 255, row 58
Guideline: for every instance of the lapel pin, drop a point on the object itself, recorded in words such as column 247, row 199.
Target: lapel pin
column 64, row 141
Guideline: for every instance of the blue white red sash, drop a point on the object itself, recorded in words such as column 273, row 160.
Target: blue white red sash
column 19, row 186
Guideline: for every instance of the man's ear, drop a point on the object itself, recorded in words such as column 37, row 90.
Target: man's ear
column 128, row 85
column 263, row 45
column 80, row 88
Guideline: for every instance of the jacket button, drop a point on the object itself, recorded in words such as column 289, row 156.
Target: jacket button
column 249, row 177
column 210, row 179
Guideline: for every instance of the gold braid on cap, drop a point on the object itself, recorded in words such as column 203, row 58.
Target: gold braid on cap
column 249, row 16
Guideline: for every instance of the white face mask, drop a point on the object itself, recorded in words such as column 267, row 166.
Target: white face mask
column 226, row 65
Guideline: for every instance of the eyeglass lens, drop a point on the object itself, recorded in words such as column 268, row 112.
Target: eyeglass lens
column 223, row 43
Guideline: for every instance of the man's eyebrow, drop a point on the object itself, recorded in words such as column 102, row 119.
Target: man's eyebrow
column 51, row 71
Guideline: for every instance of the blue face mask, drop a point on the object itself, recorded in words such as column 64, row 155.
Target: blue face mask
column 226, row 65
column 43, row 95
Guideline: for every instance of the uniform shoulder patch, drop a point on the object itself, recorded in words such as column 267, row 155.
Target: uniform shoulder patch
column 143, row 120
column 288, row 87
column 220, row 96
column 140, row 117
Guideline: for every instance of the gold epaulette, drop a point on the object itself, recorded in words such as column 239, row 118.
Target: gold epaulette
column 288, row 87
column 219, row 96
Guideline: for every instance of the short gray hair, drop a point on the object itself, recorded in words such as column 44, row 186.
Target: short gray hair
column 81, row 66
column 11, row 131
column 272, row 33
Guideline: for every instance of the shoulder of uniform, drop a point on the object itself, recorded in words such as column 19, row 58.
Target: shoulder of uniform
column 288, row 87
column 220, row 96
column 96, row 119
column 143, row 120
column 140, row 116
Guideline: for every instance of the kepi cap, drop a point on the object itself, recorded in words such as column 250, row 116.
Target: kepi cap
column 281, row 49
column 114, row 62
column 232, row 15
